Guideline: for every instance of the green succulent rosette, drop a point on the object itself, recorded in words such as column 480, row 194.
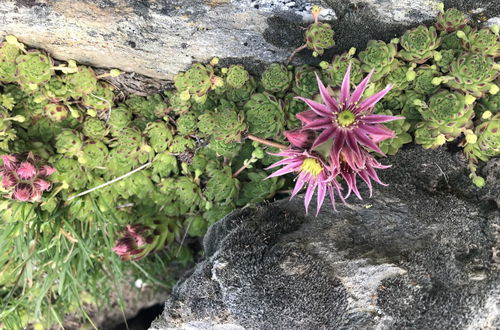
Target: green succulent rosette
column 443, row 59
column 94, row 154
column 165, row 165
column 319, row 36
column 69, row 142
column 56, row 111
column 450, row 111
column 474, row 74
column 69, row 171
column 56, row 89
column 222, row 188
column 379, row 57
column 82, row 82
column 119, row 118
column 419, row 44
column 451, row 41
column 188, row 194
column 149, row 107
column 483, row 41
column 33, row 69
column 224, row 149
column 177, row 104
column 101, row 99
column 304, row 83
column 334, row 72
column 428, row 135
column 237, row 76
column 264, row 115
column 94, row 128
column 401, row 77
column 196, row 82
column 276, row 78
column 181, row 144
column 425, row 79
column 483, row 144
column 160, row 135
column 8, row 66
column 223, row 124
column 186, row 124
column 258, row 188
column 450, row 20
column 242, row 94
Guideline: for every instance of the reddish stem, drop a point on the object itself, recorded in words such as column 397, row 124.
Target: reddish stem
column 304, row 46
column 266, row 142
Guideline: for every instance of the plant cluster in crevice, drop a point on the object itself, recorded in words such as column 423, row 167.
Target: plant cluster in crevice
column 139, row 175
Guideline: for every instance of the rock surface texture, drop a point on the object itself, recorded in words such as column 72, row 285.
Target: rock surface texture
column 423, row 253
column 159, row 38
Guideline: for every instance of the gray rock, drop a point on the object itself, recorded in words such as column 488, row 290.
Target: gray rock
column 423, row 253
column 160, row 38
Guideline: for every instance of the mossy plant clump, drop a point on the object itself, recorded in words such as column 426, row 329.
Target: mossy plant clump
column 148, row 172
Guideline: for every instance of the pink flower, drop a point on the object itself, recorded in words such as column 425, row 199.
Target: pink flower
column 312, row 171
column 349, row 122
column 26, row 171
column 134, row 242
column 366, row 173
column 25, row 177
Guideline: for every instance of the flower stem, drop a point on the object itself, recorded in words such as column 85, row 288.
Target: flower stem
column 295, row 53
column 266, row 142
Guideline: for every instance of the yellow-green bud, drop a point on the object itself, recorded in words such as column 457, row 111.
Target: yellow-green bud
column 214, row 61
column 494, row 89
column 324, row 65
column 437, row 81
column 486, row 115
column 184, row 96
column 115, row 72
column 438, row 56
column 461, row 35
column 478, row 181
column 469, row 99
column 470, row 137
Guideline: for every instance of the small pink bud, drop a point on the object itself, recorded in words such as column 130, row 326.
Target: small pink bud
column 22, row 192
column 300, row 138
column 8, row 180
column 41, row 184
column 9, row 162
column 47, row 170
column 26, row 171
column 307, row 116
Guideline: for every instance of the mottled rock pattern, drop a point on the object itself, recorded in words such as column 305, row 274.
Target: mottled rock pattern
column 421, row 254
column 159, row 38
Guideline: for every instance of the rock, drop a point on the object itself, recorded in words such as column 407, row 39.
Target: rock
column 420, row 254
column 160, row 38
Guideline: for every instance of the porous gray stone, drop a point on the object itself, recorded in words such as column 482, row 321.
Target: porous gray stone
column 421, row 254
column 159, row 38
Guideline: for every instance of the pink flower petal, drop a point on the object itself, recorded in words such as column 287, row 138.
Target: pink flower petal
column 319, row 124
column 326, row 135
column 307, row 116
column 345, row 90
column 376, row 119
column 309, row 193
column 9, row 162
column 370, row 102
column 329, row 101
column 318, row 108
column 367, row 142
column 358, row 92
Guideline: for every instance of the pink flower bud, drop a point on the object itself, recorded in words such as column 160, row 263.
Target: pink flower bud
column 8, row 180
column 22, row 192
column 300, row 138
column 26, row 171
column 41, row 184
column 9, row 162
column 47, row 170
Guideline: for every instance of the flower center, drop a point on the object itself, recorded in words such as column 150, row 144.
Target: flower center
column 346, row 118
column 311, row 166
